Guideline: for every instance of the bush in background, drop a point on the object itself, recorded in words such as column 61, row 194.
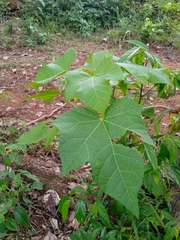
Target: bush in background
column 149, row 21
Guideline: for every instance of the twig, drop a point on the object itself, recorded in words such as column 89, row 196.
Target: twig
column 172, row 110
column 148, row 91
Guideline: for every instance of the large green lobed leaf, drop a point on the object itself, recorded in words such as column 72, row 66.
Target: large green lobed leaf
column 93, row 91
column 146, row 74
column 118, row 170
column 57, row 68
column 91, row 83
column 95, row 59
column 86, row 137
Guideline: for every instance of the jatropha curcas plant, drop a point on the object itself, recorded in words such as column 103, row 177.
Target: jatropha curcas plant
column 94, row 132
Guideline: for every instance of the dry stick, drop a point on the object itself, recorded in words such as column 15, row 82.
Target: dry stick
column 148, row 91
column 172, row 110
column 45, row 116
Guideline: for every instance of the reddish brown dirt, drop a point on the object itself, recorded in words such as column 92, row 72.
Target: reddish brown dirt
column 18, row 67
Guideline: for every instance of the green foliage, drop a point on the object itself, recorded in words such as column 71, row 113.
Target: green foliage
column 13, row 191
column 148, row 20
column 5, row 94
column 80, row 16
column 109, row 133
column 7, row 34
column 150, row 29
column 13, row 186
column 161, row 21
column 4, row 8
column 9, row 133
column 38, row 133
column 119, row 159
column 34, row 34
column 105, row 218
column 55, row 69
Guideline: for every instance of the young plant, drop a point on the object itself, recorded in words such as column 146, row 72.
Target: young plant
column 4, row 8
column 91, row 132
column 108, row 131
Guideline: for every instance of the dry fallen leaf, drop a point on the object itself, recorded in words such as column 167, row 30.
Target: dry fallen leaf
column 14, row 70
column 51, row 200
column 73, row 223
column 39, row 114
column 55, row 226
column 50, row 236
column 6, row 57
column 3, row 167
column 57, row 170
column 8, row 108
column 104, row 40
column 36, row 238
column 72, row 185
column 54, row 194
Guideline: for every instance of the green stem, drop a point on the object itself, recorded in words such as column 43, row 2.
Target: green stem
column 141, row 94
column 134, row 227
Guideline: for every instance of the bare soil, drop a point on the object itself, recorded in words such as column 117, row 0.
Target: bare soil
column 18, row 67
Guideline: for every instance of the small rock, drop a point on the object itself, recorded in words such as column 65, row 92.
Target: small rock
column 24, row 54
column 8, row 108
column 6, row 57
column 57, row 170
column 104, row 40
column 3, row 167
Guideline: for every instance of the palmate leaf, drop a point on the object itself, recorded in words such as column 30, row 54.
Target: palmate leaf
column 57, row 68
column 146, row 74
column 141, row 51
column 86, row 137
column 95, row 92
column 91, row 86
column 95, row 59
column 118, row 170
